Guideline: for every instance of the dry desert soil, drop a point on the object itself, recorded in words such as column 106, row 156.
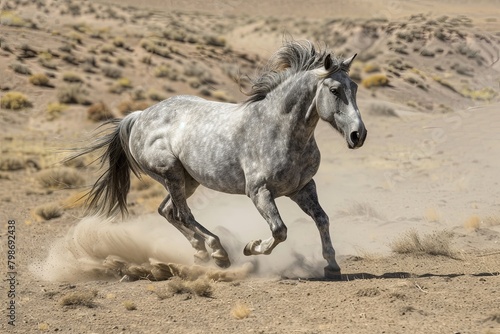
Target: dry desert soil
column 415, row 213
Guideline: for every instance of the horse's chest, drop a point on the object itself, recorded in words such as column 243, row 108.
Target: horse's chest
column 287, row 173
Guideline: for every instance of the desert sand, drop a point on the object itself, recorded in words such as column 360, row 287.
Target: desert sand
column 415, row 212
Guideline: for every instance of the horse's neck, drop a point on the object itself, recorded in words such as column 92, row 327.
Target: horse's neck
column 296, row 97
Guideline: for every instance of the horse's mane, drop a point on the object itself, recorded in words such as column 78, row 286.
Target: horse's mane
column 293, row 57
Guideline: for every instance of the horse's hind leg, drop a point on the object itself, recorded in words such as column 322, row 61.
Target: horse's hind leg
column 167, row 210
column 175, row 209
column 307, row 199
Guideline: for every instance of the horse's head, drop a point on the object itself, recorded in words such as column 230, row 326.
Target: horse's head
column 336, row 102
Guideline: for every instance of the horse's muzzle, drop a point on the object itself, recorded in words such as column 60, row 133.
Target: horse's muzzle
column 356, row 138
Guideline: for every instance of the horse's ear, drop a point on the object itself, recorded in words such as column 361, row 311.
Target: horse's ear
column 347, row 63
column 328, row 62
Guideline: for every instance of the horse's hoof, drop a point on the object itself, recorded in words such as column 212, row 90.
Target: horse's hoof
column 222, row 263
column 250, row 247
column 333, row 274
column 201, row 257
column 221, row 259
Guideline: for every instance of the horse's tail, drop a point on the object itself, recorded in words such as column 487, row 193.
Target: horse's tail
column 108, row 195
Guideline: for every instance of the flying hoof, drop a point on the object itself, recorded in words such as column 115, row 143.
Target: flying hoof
column 201, row 257
column 333, row 274
column 250, row 247
column 221, row 259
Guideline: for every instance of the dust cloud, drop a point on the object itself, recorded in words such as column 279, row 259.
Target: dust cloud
column 86, row 251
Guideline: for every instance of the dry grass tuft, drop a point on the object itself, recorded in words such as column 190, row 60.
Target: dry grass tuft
column 129, row 106
column 361, row 209
column 73, row 94
column 40, row 79
column 11, row 163
column 240, row 311
column 368, row 292
column 99, row 112
column 375, row 80
column 491, row 220
column 495, row 317
column 55, row 109
column 43, row 326
column 14, row 101
column 79, row 298
column 48, row 211
column 60, row 178
column 473, row 223
column 437, row 243
column 129, row 305
column 200, row 287
column 432, row 215
column 121, row 85
column 72, row 77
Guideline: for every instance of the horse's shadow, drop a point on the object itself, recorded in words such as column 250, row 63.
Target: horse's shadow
column 397, row 275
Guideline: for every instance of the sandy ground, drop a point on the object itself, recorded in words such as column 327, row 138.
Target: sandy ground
column 429, row 165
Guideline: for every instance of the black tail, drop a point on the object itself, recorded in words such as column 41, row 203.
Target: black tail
column 108, row 195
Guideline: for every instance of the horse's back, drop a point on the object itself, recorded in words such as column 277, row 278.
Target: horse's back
column 196, row 132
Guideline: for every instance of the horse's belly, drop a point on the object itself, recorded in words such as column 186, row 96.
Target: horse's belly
column 225, row 176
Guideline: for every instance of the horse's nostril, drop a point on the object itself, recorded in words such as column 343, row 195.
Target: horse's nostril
column 355, row 137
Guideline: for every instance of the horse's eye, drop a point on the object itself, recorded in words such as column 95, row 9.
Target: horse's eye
column 335, row 91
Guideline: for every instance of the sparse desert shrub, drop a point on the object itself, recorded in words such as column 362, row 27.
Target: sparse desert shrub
column 75, row 37
column 48, row 211
column 212, row 40
column 240, row 311
column 108, row 49
column 156, row 96
column 166, row 71
column 54, row 110
column 129, row 305
column 437, row 243
column 20, row 68
column 71, row 59
column 60, row 178
column 99, row 112
column 11, row 163
column 129, row 106
column 73, row 94
column 122, row 62
column 14, row 101
column 72, row 77
column 361, row 209
column 492, row 220
column 200, row 287
column 427, row 53
column 47, row 63
column 432, row 215
column 371, row 68
column 382, row 109
column 221, row 96
column 121, row 85
column 118, row 42
column 79, row 298
column 484, row 94
column 375, row 80
column 9, row 18
column 40, row 79
column 473, row 223
column 112, row 72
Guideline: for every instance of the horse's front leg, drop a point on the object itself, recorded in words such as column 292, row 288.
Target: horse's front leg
column 307, row 199
column 264, row 202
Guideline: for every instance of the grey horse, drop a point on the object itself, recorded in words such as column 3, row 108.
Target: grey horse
column 263, row 148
